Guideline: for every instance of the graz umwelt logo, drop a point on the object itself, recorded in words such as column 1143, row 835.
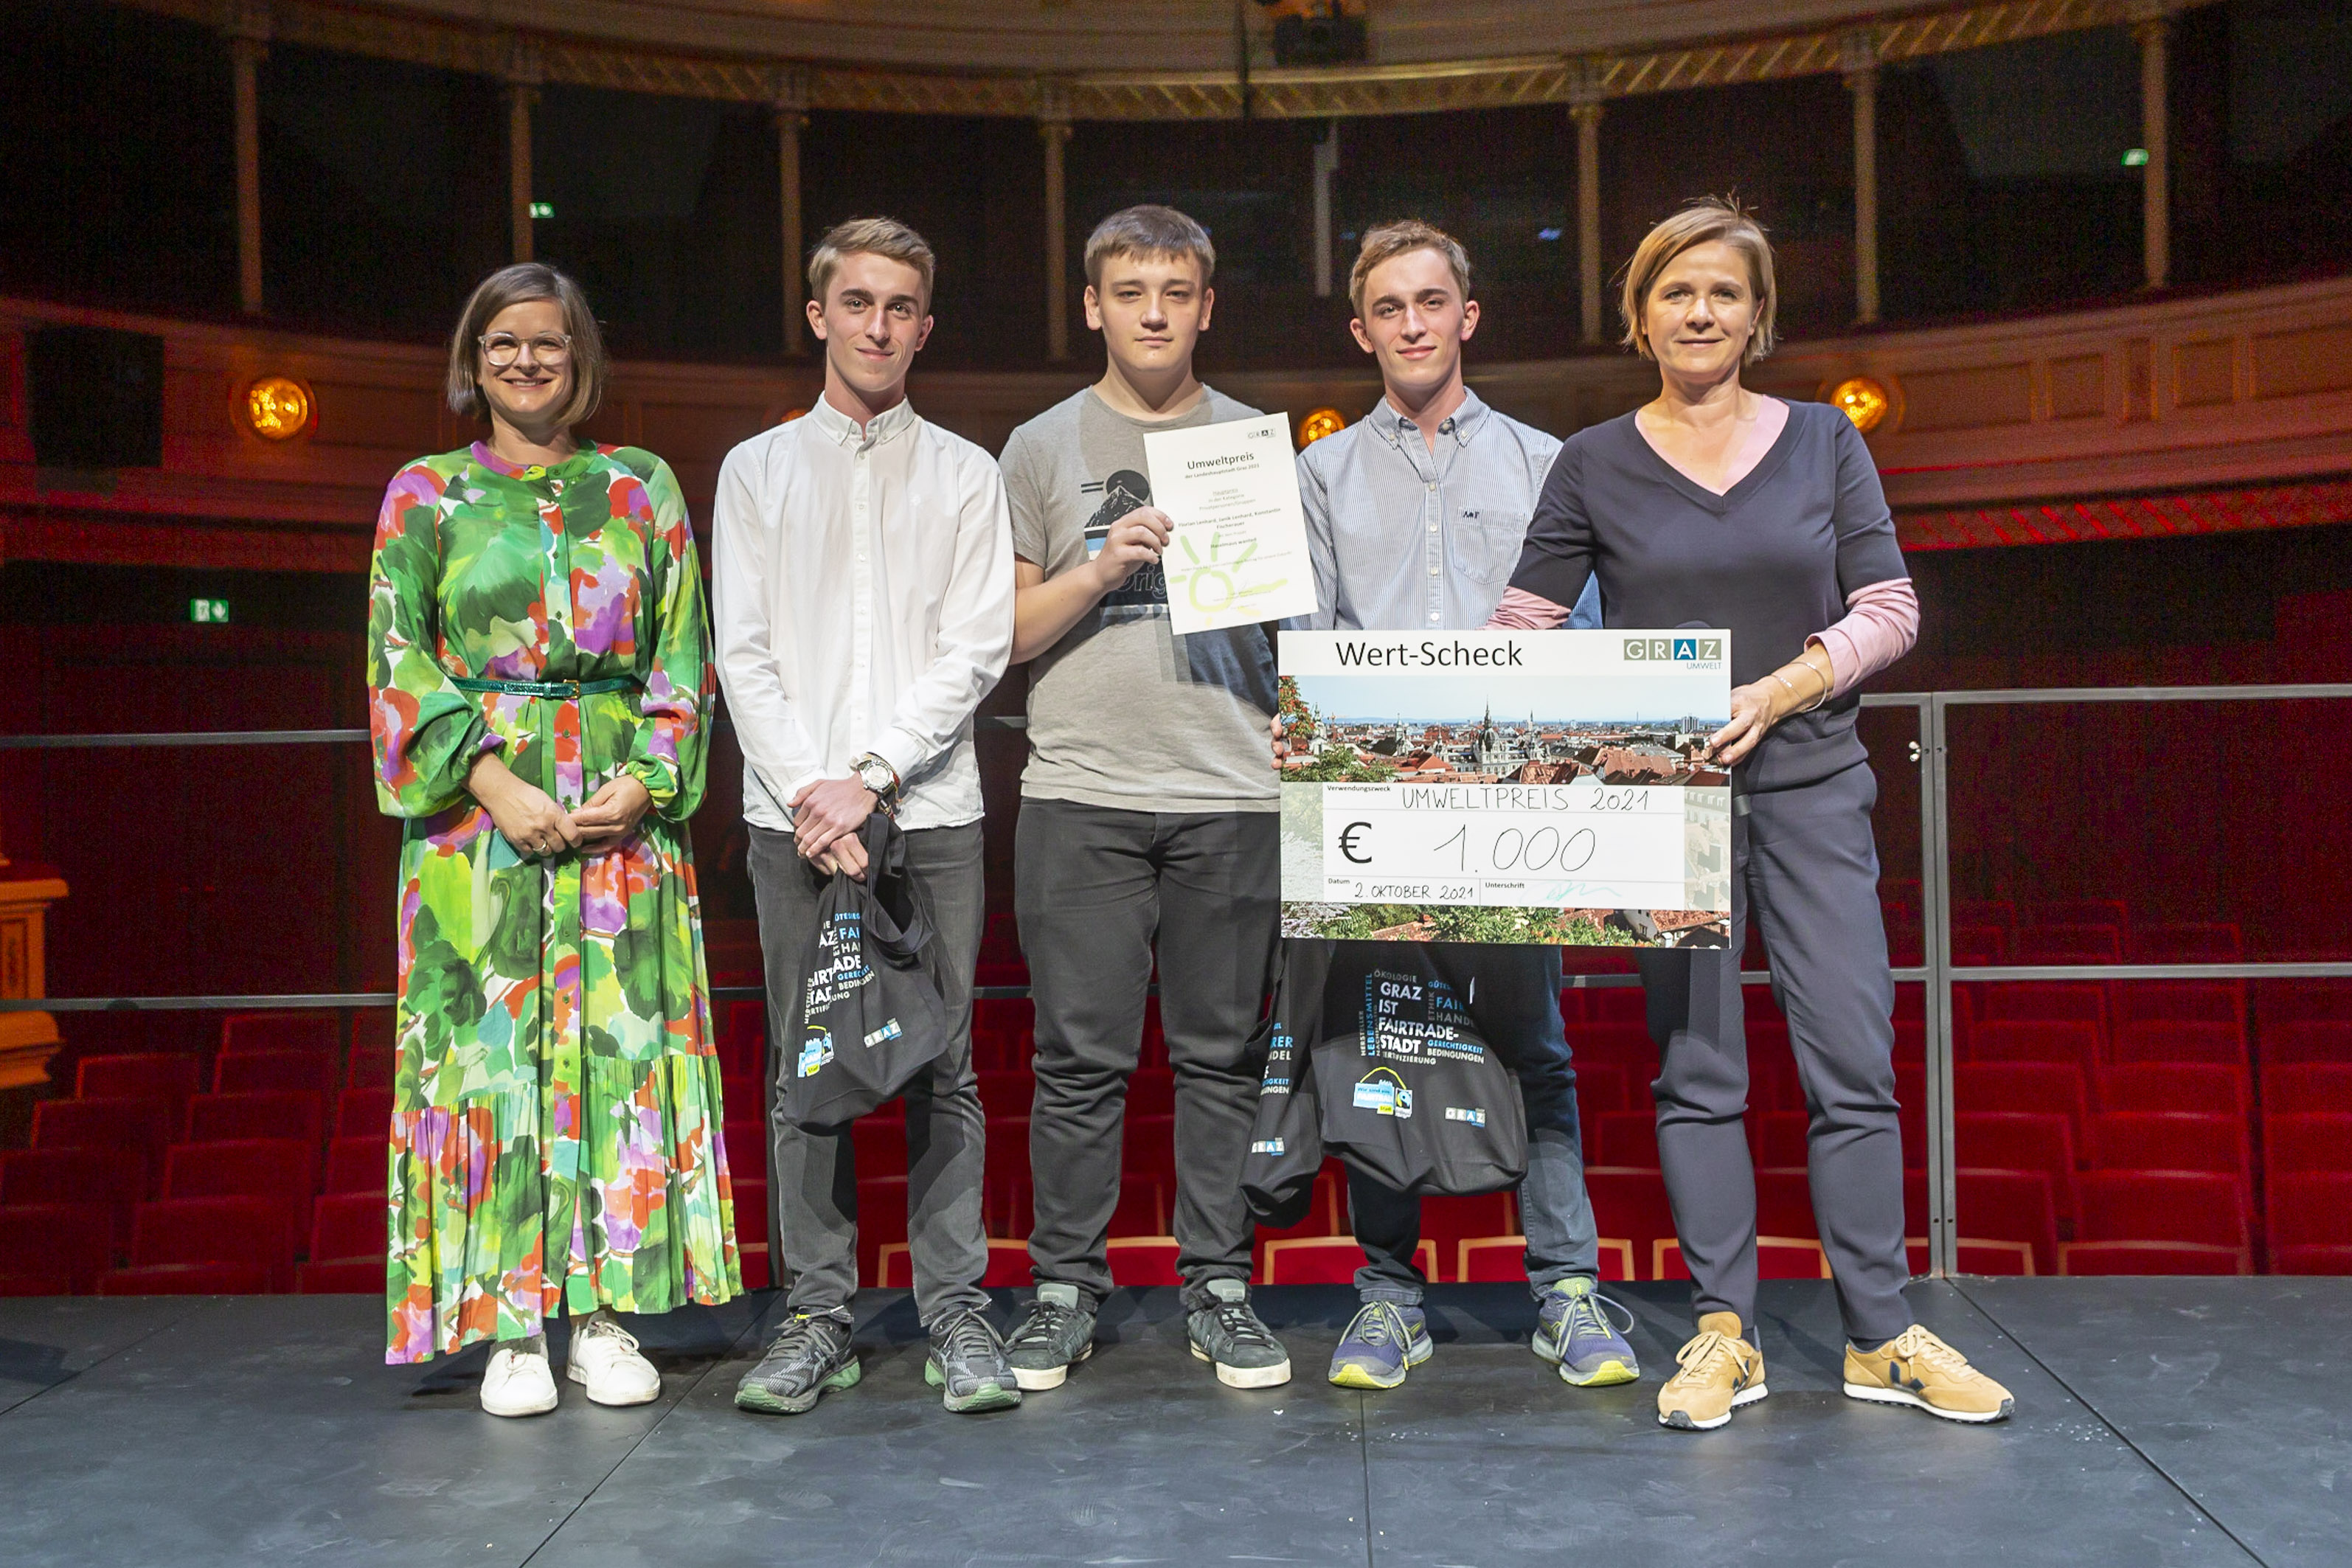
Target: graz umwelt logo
column 816, row 1051
column 1665, row 650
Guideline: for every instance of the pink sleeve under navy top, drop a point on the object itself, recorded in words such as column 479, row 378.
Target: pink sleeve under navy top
column 1773, row 559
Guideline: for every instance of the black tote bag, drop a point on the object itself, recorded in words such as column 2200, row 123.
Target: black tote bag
column 1286, row 1140
column 870, row 1015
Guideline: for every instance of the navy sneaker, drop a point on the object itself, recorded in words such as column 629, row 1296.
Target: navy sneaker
column 966, row 1363
column 1573, row 1330
column 1384, row 1341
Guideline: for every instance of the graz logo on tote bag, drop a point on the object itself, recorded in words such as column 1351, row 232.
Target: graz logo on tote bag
column 870, row 1015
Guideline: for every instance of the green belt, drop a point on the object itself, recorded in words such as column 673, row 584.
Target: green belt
column 569, row 690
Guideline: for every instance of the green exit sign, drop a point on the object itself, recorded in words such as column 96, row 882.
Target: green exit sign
column 208, row 612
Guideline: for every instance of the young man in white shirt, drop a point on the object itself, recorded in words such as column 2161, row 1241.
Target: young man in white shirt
column 1414, row 519
column 1149, row 820
column 863, row 590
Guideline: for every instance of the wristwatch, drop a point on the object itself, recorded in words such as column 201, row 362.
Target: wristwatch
column 881, row 778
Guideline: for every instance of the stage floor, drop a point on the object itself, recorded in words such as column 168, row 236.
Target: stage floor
column 2161, row 1422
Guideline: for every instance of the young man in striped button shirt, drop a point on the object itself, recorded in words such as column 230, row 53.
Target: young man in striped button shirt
column 1414, row 518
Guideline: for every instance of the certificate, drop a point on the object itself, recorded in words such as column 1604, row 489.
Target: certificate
column 1237, row 553
column 1535, row 787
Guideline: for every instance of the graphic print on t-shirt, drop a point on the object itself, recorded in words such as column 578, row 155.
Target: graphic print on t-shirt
column 1121, row 493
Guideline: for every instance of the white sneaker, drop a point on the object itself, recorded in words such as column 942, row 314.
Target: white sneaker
column 517, row 1381
column 604, row 1357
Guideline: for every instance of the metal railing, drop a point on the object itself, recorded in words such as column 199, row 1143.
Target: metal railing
column 1938, row 974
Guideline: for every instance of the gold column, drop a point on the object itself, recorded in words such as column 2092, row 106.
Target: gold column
column 248, row 42
column 28, row 1040
column 1588, row 217
column 1054, row 126
column 792, row 116
column 1860, row 60
column 2153, row 29
column 522, row 90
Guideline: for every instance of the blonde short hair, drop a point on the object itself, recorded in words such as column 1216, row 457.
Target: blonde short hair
column 885, row 237
column 1149, row 230
column 1386, row 242
column 1704, row 221
column 519, row 284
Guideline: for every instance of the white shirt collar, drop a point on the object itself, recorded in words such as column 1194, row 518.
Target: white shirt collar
column 843, row 431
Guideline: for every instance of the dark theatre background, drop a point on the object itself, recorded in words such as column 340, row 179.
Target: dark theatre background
column 2111, row 468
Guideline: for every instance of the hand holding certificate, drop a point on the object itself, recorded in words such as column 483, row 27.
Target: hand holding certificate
column 1238, row 555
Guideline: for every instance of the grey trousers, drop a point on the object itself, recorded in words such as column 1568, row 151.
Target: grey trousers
column 1805, row 866
column 1097, row 891
column 1513, row 995
column 813, row 1181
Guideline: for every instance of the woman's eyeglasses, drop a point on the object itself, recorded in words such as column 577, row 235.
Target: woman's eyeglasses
column 501, row 350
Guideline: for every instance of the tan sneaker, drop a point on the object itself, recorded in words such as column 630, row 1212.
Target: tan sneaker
column 1720, row 1371
column 1920, row 1369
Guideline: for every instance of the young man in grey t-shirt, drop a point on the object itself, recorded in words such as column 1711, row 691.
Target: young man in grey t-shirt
column 1149, row 821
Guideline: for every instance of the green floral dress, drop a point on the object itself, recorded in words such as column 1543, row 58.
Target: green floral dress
column 555, row 1129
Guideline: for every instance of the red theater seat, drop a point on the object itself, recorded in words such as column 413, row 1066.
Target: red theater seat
column 280, row 1113
column 2308, row 1040
column 1625, row 1138
column 1503, row 1259
column 1449, row 1220
column 1326, row 1209
column 259, row 1072
column 68, row 1243
column 2201, row 943
column 1979, row 946
column 2009, row 1206
column 2303, row 1087
column 2151, row 1257
column 2021, row 1141
column 281, row 1172
column 881, row 1146
column 371, row 1066
column 747, row 1148
column 1151, row 1092
column 1142, row 1260
column 2311, row 1224
column 881, row 1220
column 96, row 1178
column 1784, row 1201
column 1007, row 1093
column 2160, row 1205
column 1328, row 1260
column 1148, row 1147
column 1600, row 1088
column 743, row 1040
column 2076, row 1044
column 188, row 1279
column 358, row 1164
column 136, row 1131
column 1145, row 1206
column 1623, row 1005
column 364, row 1112
column 2206, row 1088
column 242, row 1031
column 1772, row 1083
column 1778, row 1137
column 170, row 1077
column 2051, row 1087
column 2181, row 1000
column 2300, row 1144
column 2072, row 912
column 2067, row 944
column 1977, row 1256
column 2191, row 1041
column 1984, row 912
column 2169, row 1140
column 1007, row 1155
column 1619, row 1045
column 2044, row 1002
column 1008, row 1266
column 348, row 1244
column 243, row 1232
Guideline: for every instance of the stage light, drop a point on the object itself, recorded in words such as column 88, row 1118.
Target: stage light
column 2134, row 157
column 790, row 414
column 1549, row 233
column 278, row 408
column 1319, row 422
column 1861, row 400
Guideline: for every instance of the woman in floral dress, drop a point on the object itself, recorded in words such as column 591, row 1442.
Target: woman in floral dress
column 539, row 686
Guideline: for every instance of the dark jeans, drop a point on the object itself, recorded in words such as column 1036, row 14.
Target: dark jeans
column 812, row 1186
column 1804, row 862
column 1098, row 892
column 1513, row 995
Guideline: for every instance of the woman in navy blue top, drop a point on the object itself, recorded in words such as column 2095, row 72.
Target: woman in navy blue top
column 1715, row 506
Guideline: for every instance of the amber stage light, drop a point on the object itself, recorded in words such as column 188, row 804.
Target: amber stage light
column 278, row 408
column 1319, row 422
column 792, row 414
column 1863, row 401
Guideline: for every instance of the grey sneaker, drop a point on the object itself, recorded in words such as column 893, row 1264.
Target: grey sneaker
column 1227, row 1330
column 1383, row 1342
column 1573, row 1329
column 1058, row 1332
column 966, row 1363
column 810, row 1358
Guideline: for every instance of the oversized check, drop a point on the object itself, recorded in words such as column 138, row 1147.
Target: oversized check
column 1507, row 787
column 1237, row 552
